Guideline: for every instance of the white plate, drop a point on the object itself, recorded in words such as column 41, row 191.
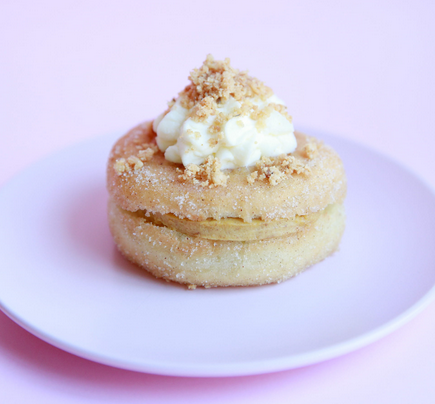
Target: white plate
column 62, row 279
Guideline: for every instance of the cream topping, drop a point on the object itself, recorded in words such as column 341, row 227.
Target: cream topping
column 225, row 114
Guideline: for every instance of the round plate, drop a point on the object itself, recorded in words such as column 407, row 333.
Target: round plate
column 62, row 278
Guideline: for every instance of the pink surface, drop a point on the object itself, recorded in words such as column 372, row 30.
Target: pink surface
column 362, row 70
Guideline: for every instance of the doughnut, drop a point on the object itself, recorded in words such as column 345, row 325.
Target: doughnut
column 220, row 190
column 154, row 218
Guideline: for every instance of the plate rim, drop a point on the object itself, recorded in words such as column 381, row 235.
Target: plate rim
column 241, row 368
column 245, row 368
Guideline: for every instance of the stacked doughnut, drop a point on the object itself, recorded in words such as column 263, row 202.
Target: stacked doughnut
column 245, row 232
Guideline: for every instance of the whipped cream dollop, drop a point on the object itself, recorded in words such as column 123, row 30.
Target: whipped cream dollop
column 227, row 115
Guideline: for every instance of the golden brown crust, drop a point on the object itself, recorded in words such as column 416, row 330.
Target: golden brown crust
column 174, row 256
column 156, row 186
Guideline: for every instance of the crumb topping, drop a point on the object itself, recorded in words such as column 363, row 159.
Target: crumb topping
column 215, row 81
column 203, row 109
column 276, row 169
column 145, row 153
column 208, row 174
column 218, row 124
column 134, row 162
column 171, row 103
column 120, row 166
column 282, row 109
column 310, row 150
column 252, row 177
column 257, row 114
column 210, row 115
column 218, row 80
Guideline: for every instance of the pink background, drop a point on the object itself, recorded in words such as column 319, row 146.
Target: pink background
column 363, row 70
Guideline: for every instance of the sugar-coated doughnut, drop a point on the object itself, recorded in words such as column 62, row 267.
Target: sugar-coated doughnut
column 220, row 190
column 137, row 196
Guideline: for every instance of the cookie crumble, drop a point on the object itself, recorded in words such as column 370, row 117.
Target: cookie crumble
column 310, row 150
column 208, row 174
column 276, row 169
column 203, row 109
column 218, row 80
column 145, row 153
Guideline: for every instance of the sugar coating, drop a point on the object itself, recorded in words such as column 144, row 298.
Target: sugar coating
column 310, row 150
column 157, row 188
column 174, row 256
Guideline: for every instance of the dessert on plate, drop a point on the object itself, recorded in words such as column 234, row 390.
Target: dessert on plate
column 220, row 190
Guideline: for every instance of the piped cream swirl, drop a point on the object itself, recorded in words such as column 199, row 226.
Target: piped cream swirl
column 236, row 129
